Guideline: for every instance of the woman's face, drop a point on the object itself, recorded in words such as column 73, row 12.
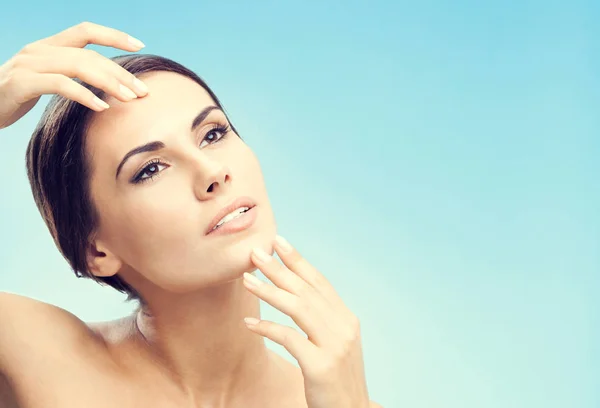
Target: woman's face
column 154, row 215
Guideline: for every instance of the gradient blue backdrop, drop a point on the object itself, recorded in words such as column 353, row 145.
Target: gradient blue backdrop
column 436, row 160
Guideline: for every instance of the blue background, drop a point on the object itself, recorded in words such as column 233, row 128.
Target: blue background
column 437, row 161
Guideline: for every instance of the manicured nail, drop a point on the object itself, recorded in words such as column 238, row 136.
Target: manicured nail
column 135, row 42
column 252, row 280
column 283, row 243
column 251, row 321
column 126, row 92
column 262, row 255
column 140, row 86
column 100, row 103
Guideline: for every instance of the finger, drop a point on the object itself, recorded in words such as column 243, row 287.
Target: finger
column 290, row 282
column 89, row 33
column 91, row 68
column 306, row 313
column 296, row 263
column 293, row 341
column 279, row 274
column 41, row 84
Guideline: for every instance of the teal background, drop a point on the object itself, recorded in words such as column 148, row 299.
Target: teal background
column 437, row 161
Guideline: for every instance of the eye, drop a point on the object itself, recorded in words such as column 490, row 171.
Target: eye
column 153, row 168
column 216, row 134
column 149, row 172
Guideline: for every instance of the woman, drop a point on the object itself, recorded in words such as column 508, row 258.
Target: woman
column 146, row 186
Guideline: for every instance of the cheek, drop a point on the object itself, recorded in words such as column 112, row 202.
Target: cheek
column 148, row 227
column 246, row 165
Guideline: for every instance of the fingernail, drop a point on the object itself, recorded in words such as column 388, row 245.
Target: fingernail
column 126, row 92
column 251, row 321
column 135, row 42
column 282, row 242
column 251, row 279
column 100, row 103
column 140, row 86
column 261, row 255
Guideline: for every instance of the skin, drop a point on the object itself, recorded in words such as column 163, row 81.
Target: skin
column 189, row 347
column 153, row 234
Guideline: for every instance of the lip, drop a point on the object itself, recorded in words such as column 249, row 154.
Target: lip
column 235, row 204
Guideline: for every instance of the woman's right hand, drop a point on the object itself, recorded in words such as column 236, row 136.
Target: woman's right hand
column 47, row 66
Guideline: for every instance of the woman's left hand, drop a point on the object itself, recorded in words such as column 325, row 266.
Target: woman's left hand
column 331, row 357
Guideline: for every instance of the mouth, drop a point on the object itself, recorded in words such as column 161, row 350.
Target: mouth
column 236, row 216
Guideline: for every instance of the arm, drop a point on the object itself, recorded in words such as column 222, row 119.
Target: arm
column 46, row 353
column 47, row 65
column 31, row 329
column 7, row 396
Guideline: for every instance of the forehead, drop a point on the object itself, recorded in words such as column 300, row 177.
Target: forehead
column 170, row 96
column 169, row 108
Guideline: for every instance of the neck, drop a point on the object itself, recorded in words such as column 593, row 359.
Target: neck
column 201, row 340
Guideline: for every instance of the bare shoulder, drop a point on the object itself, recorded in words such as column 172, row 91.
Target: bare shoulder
column 23, row 315
column 48, row 354
column 8, row 398
column 293, row 383
column 30, row 328
column 286, row 386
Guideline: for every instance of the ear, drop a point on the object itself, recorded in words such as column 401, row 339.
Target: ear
column 101, row 261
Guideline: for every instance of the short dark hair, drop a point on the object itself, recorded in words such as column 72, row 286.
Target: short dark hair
column 59, row 171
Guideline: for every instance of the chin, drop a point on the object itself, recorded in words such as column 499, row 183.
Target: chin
column 262, row 239
column 229, row 258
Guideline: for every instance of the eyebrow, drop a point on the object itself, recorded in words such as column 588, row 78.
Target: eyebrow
column 157, row 145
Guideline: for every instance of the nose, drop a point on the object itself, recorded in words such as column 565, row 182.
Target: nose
column 211, row 178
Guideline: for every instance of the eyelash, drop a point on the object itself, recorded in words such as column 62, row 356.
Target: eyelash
column 137, row 179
